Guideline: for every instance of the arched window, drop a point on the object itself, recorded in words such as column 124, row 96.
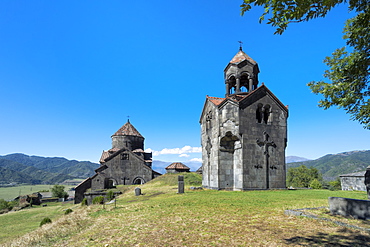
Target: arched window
column 138, row 180
column 244, row 83
column 266, row 114
column 259, row 113
column 232, row 84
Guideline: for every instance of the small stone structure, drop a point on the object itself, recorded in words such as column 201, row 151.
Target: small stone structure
column 177, row 167
column 34, row 198
column 244, row 134
column 359, row 209
column 137, row 191
column 91, row 195
column 353, row 181
column 125, row 163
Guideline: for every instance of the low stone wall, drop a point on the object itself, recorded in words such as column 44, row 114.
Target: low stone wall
column 91, row 195
column 359, row 209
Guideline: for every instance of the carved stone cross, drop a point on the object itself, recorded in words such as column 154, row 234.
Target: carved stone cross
column 266, row 143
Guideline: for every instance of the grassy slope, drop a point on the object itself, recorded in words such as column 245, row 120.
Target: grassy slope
column 9, row 193
column 161, row 217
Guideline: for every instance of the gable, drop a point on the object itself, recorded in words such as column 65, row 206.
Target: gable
column 209, row 104
column 260, row 93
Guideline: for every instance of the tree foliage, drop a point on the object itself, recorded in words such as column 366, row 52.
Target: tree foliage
column 315, row 184
column 302, row 177
column 335, row 185
column 58, row 191
column 348, row 72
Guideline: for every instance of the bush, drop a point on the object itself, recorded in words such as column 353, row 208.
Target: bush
column 84, row 202
column 98, row 200
column 335, row 185
column 7, row 206
column 45, row 220
column 110, row 195
column 68, row 211
column 315, row 184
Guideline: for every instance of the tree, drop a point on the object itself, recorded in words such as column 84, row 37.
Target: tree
column 58, row 191
column 302, row 176
column 348, row 68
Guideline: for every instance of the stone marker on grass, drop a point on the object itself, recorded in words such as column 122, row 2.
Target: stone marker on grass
column 181, row 184
column 137, row 191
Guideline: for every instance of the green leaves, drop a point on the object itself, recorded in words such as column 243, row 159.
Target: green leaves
column 58, row 191
column 282, row 13
column 348, row 71
column 302, row 177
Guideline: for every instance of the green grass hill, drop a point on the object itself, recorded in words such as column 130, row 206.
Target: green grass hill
column 162, row 217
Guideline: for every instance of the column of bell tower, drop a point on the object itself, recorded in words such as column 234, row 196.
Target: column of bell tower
column 242, row 71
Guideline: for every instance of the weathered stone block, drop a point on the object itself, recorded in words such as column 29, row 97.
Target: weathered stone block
column 359, row 209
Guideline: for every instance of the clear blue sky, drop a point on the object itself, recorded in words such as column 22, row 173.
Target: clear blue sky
column 72, row 71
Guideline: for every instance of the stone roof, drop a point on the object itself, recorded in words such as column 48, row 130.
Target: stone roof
column 215, row 100
column 127, row 130
column 355, row 174
column 104, row 155
column 240, row 57
column 177, row 166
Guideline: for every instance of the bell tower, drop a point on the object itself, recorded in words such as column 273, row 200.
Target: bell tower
column 241, row 74
column 244, row 134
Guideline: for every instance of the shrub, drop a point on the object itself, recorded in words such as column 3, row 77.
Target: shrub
column 84, row 202
column 335, row 185
column 68, row 211
column 98, row 200
column 7, row 206
column 110, row 195
column 315, row 184
column 45, row 220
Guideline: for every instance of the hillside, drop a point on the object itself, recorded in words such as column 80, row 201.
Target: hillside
column 21, row 168
column 333, row 165
column 162, row 217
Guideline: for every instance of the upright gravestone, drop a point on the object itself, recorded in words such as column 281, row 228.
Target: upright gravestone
column 181, row 184
column 367, row 181
column 137, row 191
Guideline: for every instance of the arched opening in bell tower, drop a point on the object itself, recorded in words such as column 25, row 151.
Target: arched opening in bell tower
column 244, row 83
column 231, row 85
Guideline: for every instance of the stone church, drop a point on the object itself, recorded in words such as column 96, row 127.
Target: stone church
column 244, row 134
column 124, row 164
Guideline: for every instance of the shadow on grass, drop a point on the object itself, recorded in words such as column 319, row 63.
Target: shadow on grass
column 343, row 237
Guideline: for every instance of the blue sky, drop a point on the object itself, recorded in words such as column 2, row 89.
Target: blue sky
column 72, row 71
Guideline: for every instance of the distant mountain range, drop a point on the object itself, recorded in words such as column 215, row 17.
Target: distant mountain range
column 21, row 168
column 333, row 165
column 291, row 159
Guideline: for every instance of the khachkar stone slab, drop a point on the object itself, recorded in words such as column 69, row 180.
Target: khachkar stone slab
column 359, row 209
column 367, row 181
column 181, row 184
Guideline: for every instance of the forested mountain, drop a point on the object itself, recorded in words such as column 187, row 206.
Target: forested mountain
column 21, row 168
column 333, row 165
